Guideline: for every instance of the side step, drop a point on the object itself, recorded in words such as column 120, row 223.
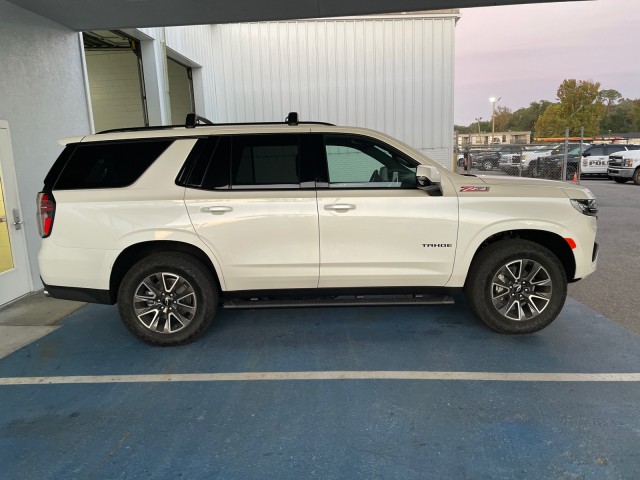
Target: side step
column 340, row 301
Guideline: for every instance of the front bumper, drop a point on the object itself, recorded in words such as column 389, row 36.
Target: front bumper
column 622, row 172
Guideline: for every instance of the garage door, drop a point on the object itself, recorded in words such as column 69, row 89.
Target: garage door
column 116, row 82
column 180, row 91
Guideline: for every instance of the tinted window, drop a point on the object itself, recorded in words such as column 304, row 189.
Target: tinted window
column 596, row 151
column 265, row 160
column 615, row 148
column 359, row 162
column 109, row 165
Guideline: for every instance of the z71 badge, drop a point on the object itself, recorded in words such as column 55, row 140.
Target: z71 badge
column 474, row 189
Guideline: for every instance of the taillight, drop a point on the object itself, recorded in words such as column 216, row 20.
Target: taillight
column 46, row 212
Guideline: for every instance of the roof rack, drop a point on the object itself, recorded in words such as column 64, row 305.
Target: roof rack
column 193, row 120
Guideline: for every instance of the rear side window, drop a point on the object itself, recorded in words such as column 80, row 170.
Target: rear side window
column 596, row 151
column 109, row 165
column 265, row 160
column 262, row 161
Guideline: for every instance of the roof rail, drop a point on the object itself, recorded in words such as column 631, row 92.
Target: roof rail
column 194, row 120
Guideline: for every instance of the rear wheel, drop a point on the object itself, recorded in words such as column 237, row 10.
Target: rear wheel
column 167, row 299
column 620, row 180
column 516, row 286
column 487, row 165
column 535, row 170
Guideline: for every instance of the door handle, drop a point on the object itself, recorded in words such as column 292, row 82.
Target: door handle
column 17, row 221
column 340, row 207
column 216, row 210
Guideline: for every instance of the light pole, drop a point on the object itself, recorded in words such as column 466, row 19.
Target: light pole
column 479, row 136
column 493, row 101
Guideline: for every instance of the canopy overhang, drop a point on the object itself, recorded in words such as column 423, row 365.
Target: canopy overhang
column 112, row 14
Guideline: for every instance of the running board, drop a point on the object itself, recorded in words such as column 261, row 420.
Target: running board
column 340, row 301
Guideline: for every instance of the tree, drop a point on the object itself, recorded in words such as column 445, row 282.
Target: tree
column 579, row 107
column 610, row 97
column 622, row 118
column 550, row 123
column 502, row 117
column 524, row 119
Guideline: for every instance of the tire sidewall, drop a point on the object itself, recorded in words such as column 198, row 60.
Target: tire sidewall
column 479, row 285
column 193, row 272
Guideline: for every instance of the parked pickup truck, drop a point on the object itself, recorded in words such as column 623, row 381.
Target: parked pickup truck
column 625, row 166
column 595, row 159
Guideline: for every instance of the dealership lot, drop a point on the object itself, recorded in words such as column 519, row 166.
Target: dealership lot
column 387, row 392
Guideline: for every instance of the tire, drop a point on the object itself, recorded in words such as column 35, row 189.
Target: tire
column 636, row 176
column 482, row 286
column 178, row 294
column 535, row 170
column 487, row 165
column 620, row 179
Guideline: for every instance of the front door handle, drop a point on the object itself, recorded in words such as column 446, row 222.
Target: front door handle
column 216, row 210
column 340, row 207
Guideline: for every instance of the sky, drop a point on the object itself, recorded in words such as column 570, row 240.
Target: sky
column 523, row 52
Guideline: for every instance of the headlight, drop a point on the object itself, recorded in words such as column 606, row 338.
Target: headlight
column 628, row 162
column 587, row 207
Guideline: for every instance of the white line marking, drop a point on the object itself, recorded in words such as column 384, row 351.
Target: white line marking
column 334, row 375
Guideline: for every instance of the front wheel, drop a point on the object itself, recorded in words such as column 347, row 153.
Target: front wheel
column 167, row 299
column 636, row 176
column 516, row 286
column 487, row 165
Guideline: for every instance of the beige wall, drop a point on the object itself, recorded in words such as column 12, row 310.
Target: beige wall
column 179, row 92
column 114, row 83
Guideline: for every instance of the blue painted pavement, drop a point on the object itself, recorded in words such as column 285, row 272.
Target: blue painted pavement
column 330, row 428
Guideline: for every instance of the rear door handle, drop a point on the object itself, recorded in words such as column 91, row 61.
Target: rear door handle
column 216, row 210
column 340, row 207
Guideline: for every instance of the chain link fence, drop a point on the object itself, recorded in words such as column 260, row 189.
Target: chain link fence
column 553, row 161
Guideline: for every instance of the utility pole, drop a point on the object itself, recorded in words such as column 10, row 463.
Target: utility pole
column 478, row 120
column 493, row 101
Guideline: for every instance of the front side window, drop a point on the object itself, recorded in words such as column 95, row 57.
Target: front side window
column 360, row 162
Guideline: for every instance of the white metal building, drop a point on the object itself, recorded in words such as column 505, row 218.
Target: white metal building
column 392, row 73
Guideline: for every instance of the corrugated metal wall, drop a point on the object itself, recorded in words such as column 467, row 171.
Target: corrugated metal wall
column 389, row 74
column 393, row 74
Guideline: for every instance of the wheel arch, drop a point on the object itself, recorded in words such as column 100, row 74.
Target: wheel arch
column 552, row 241
column 137, row 251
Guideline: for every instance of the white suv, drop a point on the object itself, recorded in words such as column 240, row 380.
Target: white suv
column 172, row 222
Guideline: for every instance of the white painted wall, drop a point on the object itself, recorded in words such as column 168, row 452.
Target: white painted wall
column 114, row 83
column 42, row 96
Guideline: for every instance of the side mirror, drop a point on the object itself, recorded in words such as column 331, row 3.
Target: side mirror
column 427, row 175
column 586, row 154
